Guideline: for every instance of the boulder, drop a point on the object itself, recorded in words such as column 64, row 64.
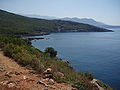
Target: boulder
column 10, row 85
column 49, row 70
column 41, row 82
column 51, row 82
column 10, row 74
column 2, row 69
column 48, row 73
column 60, row 74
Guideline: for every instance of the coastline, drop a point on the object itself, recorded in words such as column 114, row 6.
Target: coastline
column 59, row 67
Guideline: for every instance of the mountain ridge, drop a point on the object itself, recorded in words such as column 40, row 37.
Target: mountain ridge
column 75, row 19
column 17, row 24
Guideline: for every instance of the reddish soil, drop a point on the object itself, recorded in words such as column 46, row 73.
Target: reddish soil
column 15, row 77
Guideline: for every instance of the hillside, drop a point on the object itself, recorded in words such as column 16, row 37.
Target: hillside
column 15, row 24
column 12, row 77
column 47, row 70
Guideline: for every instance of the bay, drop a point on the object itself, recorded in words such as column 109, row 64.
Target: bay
column 96, row 52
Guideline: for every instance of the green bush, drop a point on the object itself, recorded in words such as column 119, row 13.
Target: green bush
column 80, row 86
column 89, row 75
column 51, row 52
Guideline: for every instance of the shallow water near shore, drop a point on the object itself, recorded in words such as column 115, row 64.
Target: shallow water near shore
column 96, row 52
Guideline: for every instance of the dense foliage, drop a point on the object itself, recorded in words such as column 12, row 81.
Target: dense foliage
column 15, row 24
column 51, row 52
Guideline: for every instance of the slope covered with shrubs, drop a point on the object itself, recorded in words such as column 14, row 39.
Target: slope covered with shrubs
column 26, row 55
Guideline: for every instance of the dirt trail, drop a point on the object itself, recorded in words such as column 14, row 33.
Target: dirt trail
column 15, row 77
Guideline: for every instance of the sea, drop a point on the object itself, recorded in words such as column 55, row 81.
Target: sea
column 96, row 52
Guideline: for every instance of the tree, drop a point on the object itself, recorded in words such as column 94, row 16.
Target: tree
column 51, row 52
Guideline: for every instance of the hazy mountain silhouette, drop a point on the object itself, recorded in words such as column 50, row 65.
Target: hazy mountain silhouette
column 91, row 22
column 75, row 19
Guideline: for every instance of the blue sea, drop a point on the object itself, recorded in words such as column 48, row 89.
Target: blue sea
column 96, row 52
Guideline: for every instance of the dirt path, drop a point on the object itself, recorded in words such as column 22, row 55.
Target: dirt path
column 15, row 77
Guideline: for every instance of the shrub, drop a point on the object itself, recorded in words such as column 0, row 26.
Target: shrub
column 89, row 75
column 51, row 52
column 80, row 86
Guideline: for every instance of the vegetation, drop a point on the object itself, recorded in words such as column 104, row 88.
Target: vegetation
column 51, row 52
column 105, row 86
column 26, row 55
column 15, row 24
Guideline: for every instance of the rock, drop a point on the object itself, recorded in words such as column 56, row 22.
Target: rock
column 41, row 82
column 16, row 73
column 60, row 74
column 51, row 82
column 10, row 74
column 8, row 83
column 3, row 82
column 11, row 85
column 25, row 78
column 48, row 73
column 49, row 70
column 2, row 68
column 48, row 76
column 45, row 80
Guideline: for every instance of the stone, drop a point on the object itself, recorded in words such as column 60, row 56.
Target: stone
column 11, row 85
column 8, row 74
column 49, row 70
column 25, row 77
column 1, row 68
column 51, row 82
column 48, row 73
column 4, row 82
column 48, row 76
column 16, row 73
column 41, row 82
column 60, row 74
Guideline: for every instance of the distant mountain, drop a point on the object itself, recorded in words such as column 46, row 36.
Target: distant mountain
column 75, row 19
column 90, row 21
column 85, row 20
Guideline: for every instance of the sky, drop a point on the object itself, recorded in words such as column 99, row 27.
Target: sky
column 107, row 11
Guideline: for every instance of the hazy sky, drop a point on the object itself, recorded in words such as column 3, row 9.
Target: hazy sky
column 107, row 11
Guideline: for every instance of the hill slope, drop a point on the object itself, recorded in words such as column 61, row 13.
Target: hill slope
column 17, row 81
column 59, row 71
column 15, row 24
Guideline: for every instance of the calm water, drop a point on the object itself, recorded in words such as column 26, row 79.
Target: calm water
column 96, row 52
